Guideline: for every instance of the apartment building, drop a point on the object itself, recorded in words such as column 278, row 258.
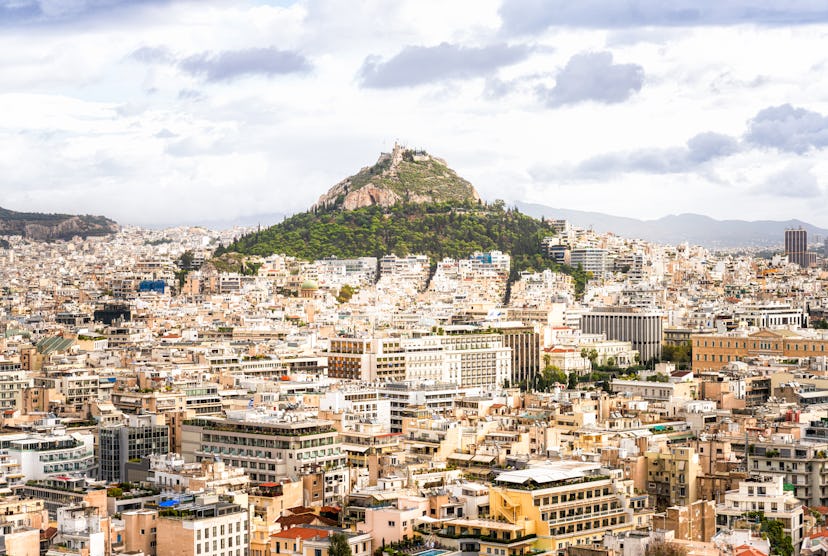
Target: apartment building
column 210, row 526
column 269, row 447
column 672, row 476
column 41, row 455
column 574, row 502
column 767, row 494
column 466, row 359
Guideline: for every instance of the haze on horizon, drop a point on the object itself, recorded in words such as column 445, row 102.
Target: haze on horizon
column 161, row 112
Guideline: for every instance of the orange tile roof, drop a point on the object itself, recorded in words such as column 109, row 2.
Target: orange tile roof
column 302, row 533
column 746, row 550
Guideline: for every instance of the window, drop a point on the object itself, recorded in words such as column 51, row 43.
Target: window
column 392, row 523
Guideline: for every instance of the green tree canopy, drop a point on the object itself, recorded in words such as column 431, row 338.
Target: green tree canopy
column 339, row 546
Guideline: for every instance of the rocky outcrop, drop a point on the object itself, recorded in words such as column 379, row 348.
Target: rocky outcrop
column 370, row 195
column 49, row 227
column 403, row 175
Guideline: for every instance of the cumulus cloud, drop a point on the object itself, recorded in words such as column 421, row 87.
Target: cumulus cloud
column 417, row 65
column 221, row 66
column 788, row 129
column 593, row 76
column 228, row 64
column 700, row 150
column 795, row 180
column 709, row 145
column 530, row 16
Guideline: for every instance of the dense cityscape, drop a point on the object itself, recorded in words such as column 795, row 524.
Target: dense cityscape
column 413, row 278
column 155, row 404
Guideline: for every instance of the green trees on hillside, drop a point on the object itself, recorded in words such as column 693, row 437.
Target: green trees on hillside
column 438, row 230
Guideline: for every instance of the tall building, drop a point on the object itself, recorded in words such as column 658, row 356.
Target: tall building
column 796, row 246
column 140, row 437
column 643, row 329
column 590, row 259
column 525, row 344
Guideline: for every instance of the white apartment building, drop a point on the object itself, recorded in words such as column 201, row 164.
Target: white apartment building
column 43, row 455
column 767, row 494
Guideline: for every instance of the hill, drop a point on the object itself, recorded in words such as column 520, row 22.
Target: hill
column 47, row 227
column 674, row 229
column 401, row 176
column 436, row 229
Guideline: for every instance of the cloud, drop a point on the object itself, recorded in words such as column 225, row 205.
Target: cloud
column 39, row 12
column 593, row 76
column 699, row 150
column 796, row 180
column 190, row 94
column 709, row 145
column 788, row 129
column 153, row 55
column 531, row 16
column 231, row 64
column 417, row 65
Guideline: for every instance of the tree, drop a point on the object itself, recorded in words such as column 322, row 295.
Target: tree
column 346, row 292
column 339, row 546
column 186, row 261
column 780, row 542
column 660, row 548
column 572, row 382
column 592, row 355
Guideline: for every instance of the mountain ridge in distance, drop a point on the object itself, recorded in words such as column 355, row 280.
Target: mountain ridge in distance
column 695, row 229
column 47, row 227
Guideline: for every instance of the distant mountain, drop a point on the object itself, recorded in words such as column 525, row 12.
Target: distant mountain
column 47, row 227
column 674, row 229
column 401, row 176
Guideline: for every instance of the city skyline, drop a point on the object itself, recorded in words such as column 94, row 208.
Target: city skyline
column 161, row 113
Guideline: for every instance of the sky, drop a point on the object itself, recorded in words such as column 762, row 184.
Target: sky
column 162, row 112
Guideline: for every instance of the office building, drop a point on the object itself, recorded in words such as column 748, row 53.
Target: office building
column 643, row 329
column 796, row 246
column 141, row 436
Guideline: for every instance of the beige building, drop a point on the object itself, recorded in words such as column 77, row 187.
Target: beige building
column 574, row 502
column 672, row 476
column 209, row 527
column 140, row 529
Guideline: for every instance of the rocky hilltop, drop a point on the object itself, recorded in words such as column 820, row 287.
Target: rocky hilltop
column 48, row 227
column 401, row 176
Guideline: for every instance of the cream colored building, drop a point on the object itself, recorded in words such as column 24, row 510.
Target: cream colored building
column 209, row 527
